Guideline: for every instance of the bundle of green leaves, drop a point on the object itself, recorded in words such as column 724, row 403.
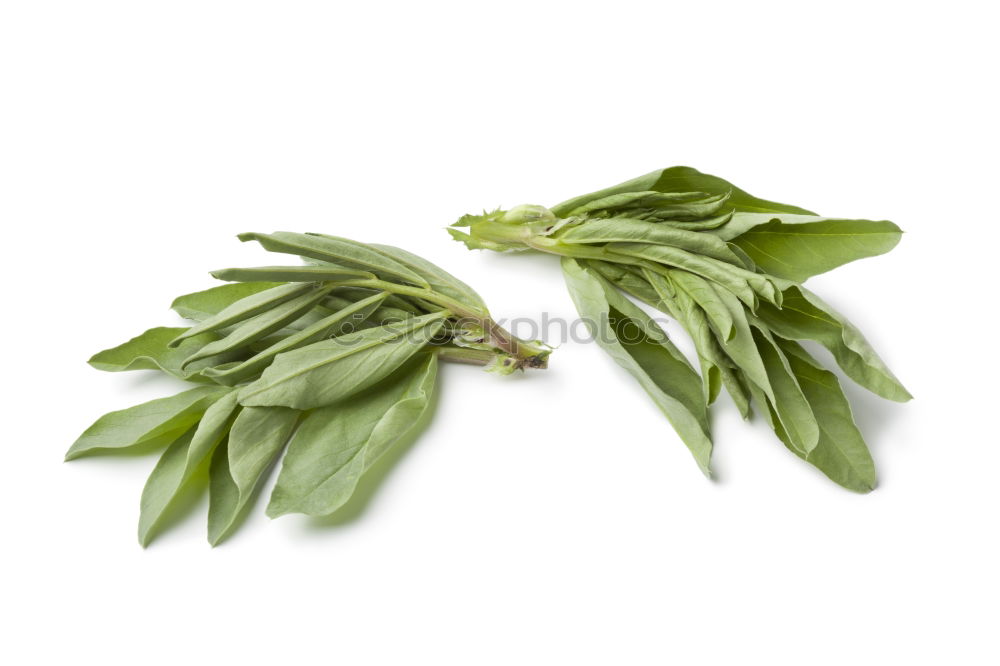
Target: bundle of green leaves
column 729, row 268
column 336, row 358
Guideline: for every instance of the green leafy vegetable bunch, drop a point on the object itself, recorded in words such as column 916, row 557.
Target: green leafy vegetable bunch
column 730, row 268
column 335, row 359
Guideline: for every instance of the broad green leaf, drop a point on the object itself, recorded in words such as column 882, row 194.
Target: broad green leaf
column 180, row 461
column 260, row 326
column 745, row 284
column 152, row 423
column 346, row 320
column 203, row 304
column 640, row 231
column 327, row 371
column 796, row 247
column 150, row 351
column 804, row 316
column 312, row 273
column 841, row 452
column 255, row 440
column 224, row 506
column 336, row 445
column 790, row 402
column 245, row 308
column 682, row 179
column 439, row 280
column 657, row 365
column 341, row 251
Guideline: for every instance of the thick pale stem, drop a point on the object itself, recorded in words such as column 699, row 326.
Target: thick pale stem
column 462, row 355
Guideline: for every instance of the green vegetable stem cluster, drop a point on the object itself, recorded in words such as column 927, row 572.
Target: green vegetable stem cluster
column 335, row 360
column 730, row 268
column 328, row 363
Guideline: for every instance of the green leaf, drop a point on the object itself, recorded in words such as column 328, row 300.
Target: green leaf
column 796, row 247
column 790, row 403
column 804, row 316
column 203, row 304
column 327, row 371
column 656, row 364
column 150, row 424
column 439, row 280
column 150, row 351
column 841, row 452
column 340, row 251
column 245, row 308
column 640, row 231
column 345, row 320
column 335, row 446
column 260, row 326
column 682, row 179
column 179, row 463
column 255, row 440
column 312, row 273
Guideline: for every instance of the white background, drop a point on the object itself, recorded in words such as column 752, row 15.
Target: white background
column 546, row 518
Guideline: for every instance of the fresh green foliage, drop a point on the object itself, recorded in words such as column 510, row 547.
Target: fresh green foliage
column 338, row 357
column 728, row 267
column 335, row 445
column 288, row 274
column 152, row 423
column 151, row 351
column 797, row 247
column 257, row 437
column 180, row 462
column 325, row 372
column 339, row 252
column 343, row 320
